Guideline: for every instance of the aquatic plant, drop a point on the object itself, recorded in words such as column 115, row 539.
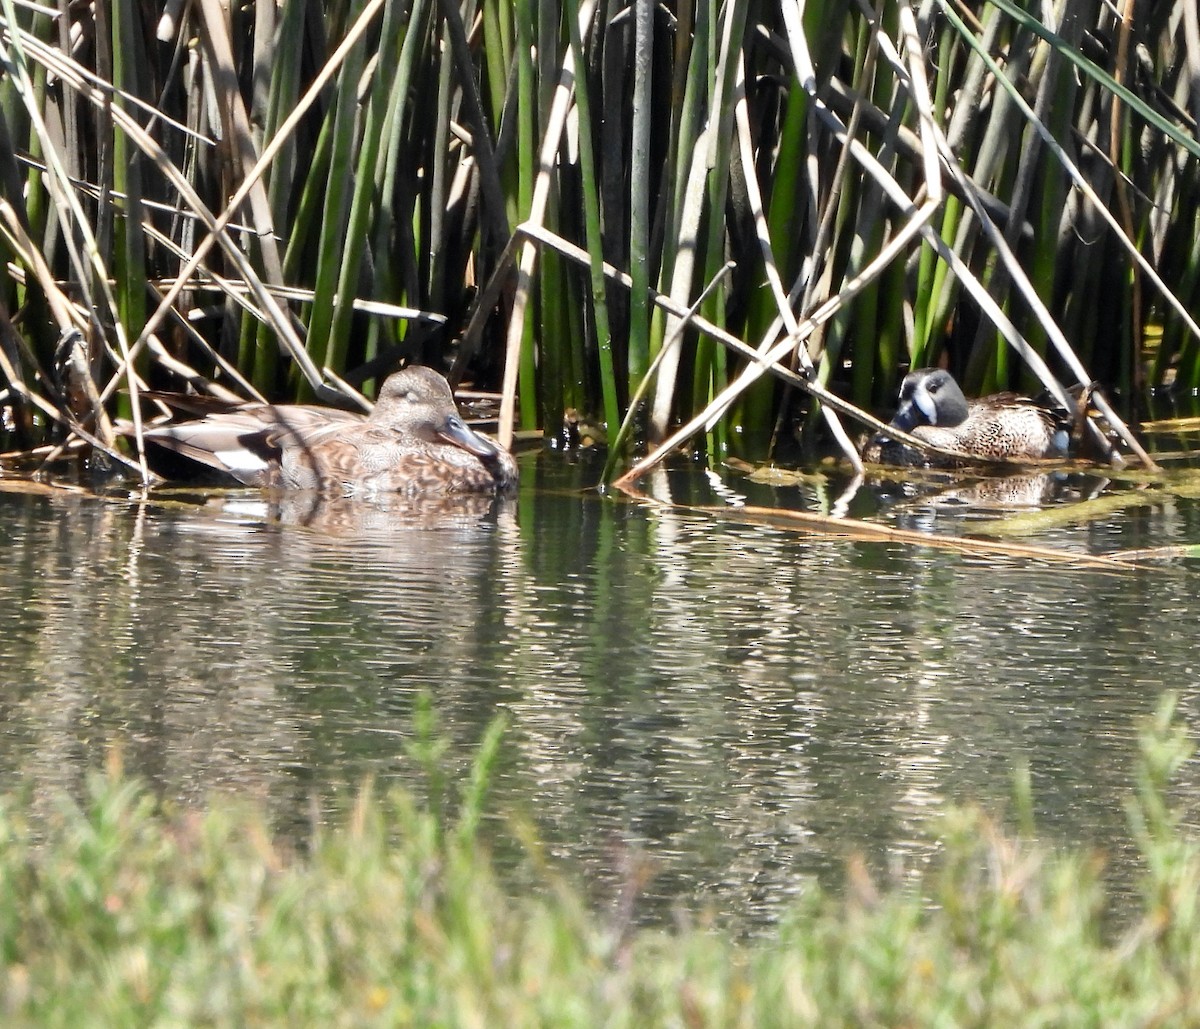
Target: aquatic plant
column 123, row 910
column 290, row 199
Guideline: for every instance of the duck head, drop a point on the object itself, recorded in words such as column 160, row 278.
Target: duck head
column 930, row 396
column 417, row 401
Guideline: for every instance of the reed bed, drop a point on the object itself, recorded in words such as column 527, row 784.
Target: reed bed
column 585, row 204
column 118, row 911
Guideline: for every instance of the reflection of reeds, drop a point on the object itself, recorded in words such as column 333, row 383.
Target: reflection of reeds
column 857, row 529
column 353, row 186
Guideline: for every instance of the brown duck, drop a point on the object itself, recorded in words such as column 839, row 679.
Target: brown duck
column 414, row 441
column 1000, row 427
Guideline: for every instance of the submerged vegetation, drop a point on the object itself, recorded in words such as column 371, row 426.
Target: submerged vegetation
column 586, row 203
column 122, row 912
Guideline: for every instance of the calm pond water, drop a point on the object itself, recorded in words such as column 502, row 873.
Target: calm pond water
column 740, row 705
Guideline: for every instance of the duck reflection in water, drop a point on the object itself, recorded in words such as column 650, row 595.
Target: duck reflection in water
column 334, row 515
column 414, row 442
column 1002, row 493
column 1000, row 427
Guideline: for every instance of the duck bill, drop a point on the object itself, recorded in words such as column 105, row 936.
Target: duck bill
column 905, row 418
column 916, row 409
column 457, row 433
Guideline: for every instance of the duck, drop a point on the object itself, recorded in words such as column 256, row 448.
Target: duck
column 413, row 442
column 999, row 427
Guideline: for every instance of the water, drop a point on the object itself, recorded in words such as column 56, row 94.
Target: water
column 735, row 707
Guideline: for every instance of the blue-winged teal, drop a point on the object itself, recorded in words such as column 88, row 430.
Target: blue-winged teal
column 997, row 427
column 412, row 442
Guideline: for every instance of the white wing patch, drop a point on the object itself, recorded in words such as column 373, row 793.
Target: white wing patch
column 241, row 460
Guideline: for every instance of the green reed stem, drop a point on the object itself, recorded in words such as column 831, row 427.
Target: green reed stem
column 641, row 177
column 595, row 243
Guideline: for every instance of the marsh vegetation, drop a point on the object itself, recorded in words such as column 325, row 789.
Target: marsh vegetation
column 125, row 911
column 592, row 208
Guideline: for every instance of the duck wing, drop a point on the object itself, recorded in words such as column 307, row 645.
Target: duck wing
column 247, row 442
column 235, row 444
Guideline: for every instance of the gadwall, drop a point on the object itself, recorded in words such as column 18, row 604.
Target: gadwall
column 414, row 441
column 1002, row 426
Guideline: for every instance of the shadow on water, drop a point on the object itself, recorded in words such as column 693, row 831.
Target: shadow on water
column 742, row 705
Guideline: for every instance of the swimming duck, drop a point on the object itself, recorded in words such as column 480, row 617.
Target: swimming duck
column 997, row 427
column 414, row 441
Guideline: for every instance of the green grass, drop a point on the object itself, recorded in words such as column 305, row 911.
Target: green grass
column 119, row 911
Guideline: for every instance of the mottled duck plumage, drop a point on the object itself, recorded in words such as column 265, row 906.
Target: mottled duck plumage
column 414, row 441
